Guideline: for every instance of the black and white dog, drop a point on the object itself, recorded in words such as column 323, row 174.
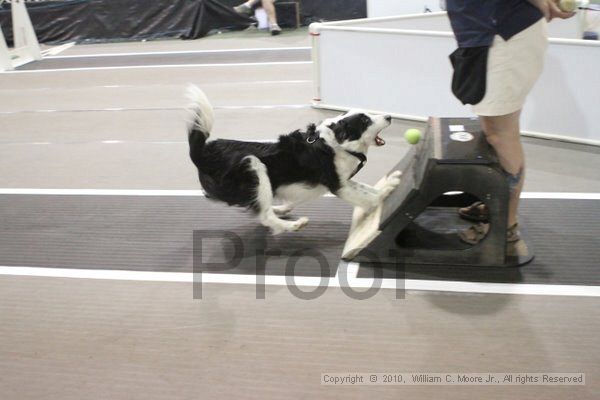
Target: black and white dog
column 300, row 166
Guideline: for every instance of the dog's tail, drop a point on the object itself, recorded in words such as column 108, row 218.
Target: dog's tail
column 201, row 117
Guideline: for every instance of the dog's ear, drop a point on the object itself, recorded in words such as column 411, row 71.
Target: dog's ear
column 339, row 130
column 311, row 129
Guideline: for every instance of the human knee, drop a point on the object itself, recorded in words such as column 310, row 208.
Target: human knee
column 493, row 138
column 503, row 125
column 502, row 136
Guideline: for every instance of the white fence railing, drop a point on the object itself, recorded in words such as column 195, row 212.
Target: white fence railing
column 400, row 65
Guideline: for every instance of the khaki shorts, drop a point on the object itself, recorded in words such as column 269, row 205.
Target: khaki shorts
column 513, row 68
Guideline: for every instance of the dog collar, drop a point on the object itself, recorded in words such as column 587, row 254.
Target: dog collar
column 361, row 157
column 311, row 138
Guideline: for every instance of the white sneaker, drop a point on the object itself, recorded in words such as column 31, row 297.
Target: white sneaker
column 274, row 29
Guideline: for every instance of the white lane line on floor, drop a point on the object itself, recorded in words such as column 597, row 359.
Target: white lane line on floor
column 356, row 283
column 150, row 192
column 118, row 109
column 151, row 53
column 349, row 269
column 499, row 288
column 157, row 85
column 113, row 142
column 207, row 65
column 265, row 107
column 560, row 195
column 102, row 192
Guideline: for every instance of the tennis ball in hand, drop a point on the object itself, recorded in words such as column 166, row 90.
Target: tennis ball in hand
column 412, row 135
column 568, row 5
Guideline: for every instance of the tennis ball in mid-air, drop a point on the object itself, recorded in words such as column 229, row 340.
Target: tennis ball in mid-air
column 412, row 135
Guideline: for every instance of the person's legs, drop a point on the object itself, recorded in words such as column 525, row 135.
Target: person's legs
column 513, row 66
column 503, row 134
column 269, row 8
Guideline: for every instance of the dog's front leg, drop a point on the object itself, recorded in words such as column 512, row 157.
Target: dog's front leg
column 365, row 196
column 358, row 194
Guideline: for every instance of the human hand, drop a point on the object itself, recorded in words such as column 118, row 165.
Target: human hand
column 551, row 10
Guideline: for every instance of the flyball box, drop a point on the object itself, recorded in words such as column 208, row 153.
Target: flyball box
column 452, row 166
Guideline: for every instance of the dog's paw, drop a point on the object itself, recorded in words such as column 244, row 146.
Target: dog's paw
column 289, row 226
column 299, row 223
column 393, row 179
column 395, row 176
column 282, row 210
column 391, row 183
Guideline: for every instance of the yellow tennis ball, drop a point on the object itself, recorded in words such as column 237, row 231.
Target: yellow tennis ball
column 568, row 5
column 412, row 135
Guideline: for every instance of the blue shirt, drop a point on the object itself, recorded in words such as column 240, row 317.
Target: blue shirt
column 475, row 22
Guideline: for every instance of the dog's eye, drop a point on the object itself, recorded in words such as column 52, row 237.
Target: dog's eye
column 365, row 120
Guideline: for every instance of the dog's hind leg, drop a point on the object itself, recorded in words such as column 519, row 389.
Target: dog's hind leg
column 283, row 209
column 296, row 194
column 264, row 202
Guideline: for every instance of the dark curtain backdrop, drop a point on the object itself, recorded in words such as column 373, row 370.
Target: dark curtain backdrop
column 324, row 10
column 113, row 20
column 107, row 20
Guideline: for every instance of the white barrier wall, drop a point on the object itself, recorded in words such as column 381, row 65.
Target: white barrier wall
column 406, row 72
column 385, row 8
column 376, row 9
column 437, row 21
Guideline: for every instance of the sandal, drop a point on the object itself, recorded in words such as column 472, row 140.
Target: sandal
column 475, row 233
column 512, row 234
column 477, row 212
